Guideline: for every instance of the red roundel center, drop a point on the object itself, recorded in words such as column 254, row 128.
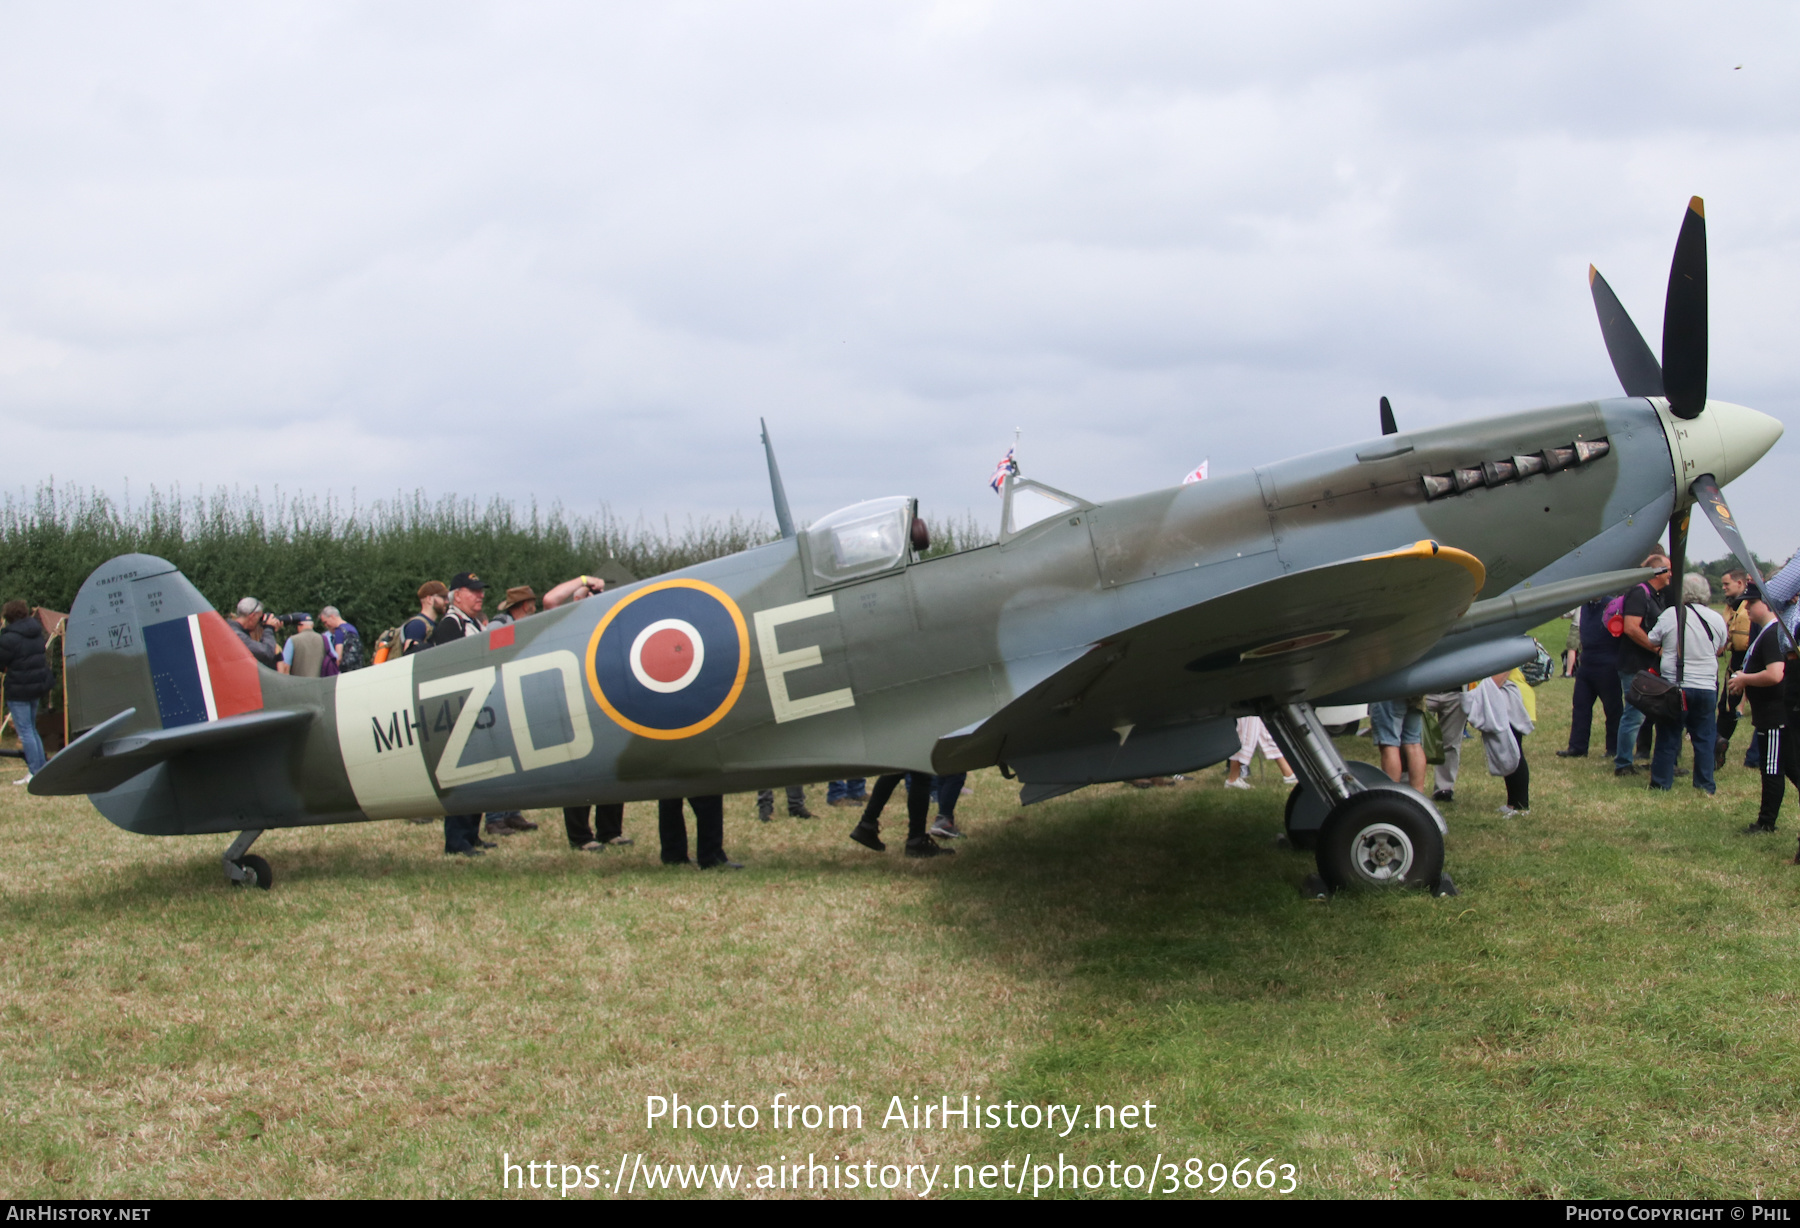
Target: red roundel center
column 668, row 655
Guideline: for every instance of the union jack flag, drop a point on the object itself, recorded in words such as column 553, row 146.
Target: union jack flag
column 1008, row 467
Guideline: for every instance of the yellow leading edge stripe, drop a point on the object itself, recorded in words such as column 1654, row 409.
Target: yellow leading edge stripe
column 1429, row 549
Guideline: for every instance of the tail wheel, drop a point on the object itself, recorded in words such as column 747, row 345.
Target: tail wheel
column 1380, row 838
column 258, row 870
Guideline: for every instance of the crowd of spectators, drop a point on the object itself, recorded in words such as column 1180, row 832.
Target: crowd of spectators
column 303, row 652
column 1671, row 634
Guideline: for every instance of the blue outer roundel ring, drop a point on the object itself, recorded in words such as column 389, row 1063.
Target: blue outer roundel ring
column 707, row 697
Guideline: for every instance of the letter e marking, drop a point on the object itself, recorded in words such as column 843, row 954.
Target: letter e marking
column 777, row 665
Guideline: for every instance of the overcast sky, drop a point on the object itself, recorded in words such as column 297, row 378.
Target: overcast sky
column 574, row 251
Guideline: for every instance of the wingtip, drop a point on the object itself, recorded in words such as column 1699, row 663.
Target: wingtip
column 1428, row 548
column 1592, row 273
column 1697, row 205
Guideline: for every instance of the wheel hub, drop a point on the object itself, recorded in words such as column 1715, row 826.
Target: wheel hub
column 1382, row 853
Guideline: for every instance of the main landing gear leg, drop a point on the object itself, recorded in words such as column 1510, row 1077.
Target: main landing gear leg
column 1375, row 833
column 245, row 868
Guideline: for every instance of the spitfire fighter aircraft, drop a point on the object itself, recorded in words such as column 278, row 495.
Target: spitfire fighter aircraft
column 1092, row 642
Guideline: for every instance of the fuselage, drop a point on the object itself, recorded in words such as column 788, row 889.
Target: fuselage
column 798, row 670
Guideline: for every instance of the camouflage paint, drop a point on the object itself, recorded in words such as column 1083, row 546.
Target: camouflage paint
column 1138, row 619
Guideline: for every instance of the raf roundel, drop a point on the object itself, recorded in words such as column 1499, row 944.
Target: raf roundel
column 667, row 655
column 669, row 661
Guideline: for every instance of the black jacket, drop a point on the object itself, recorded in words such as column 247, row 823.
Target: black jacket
column 22, row 657
column 453, row 626
column 1599, row 646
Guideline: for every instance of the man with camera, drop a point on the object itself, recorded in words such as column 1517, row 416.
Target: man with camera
column 257, row 630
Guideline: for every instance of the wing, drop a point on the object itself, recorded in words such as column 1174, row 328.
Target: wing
column 1310, row 633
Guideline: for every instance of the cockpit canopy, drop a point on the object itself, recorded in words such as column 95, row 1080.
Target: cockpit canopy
column 864, row 539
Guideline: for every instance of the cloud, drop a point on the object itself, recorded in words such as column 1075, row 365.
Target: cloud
column 574, row 252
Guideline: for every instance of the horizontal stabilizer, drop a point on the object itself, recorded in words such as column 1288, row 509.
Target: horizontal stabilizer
column 107, row 756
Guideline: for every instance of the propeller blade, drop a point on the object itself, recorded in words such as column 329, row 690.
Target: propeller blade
column 1684, row 318
column 1639, row 372
column 1678, row 535
column 1387, row 418
column 1707, row 493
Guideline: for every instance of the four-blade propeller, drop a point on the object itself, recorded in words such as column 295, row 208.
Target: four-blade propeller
column 1680, row 377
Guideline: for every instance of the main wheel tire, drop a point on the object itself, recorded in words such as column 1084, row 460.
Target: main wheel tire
column 1306, row 814
column 260, row 873
column 1378, row 839
column 1304, row 838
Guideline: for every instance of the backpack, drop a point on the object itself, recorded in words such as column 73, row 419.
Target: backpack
column 1540, row 668
column 1614, row 614
column 387, row 646
column 350, row 655
column 391, row 644
column 1739, row 626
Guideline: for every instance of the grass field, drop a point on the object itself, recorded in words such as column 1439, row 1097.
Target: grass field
column 1608, row 1009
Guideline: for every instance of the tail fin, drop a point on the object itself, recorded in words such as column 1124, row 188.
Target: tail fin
column 170, row 733
column 141, row 636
